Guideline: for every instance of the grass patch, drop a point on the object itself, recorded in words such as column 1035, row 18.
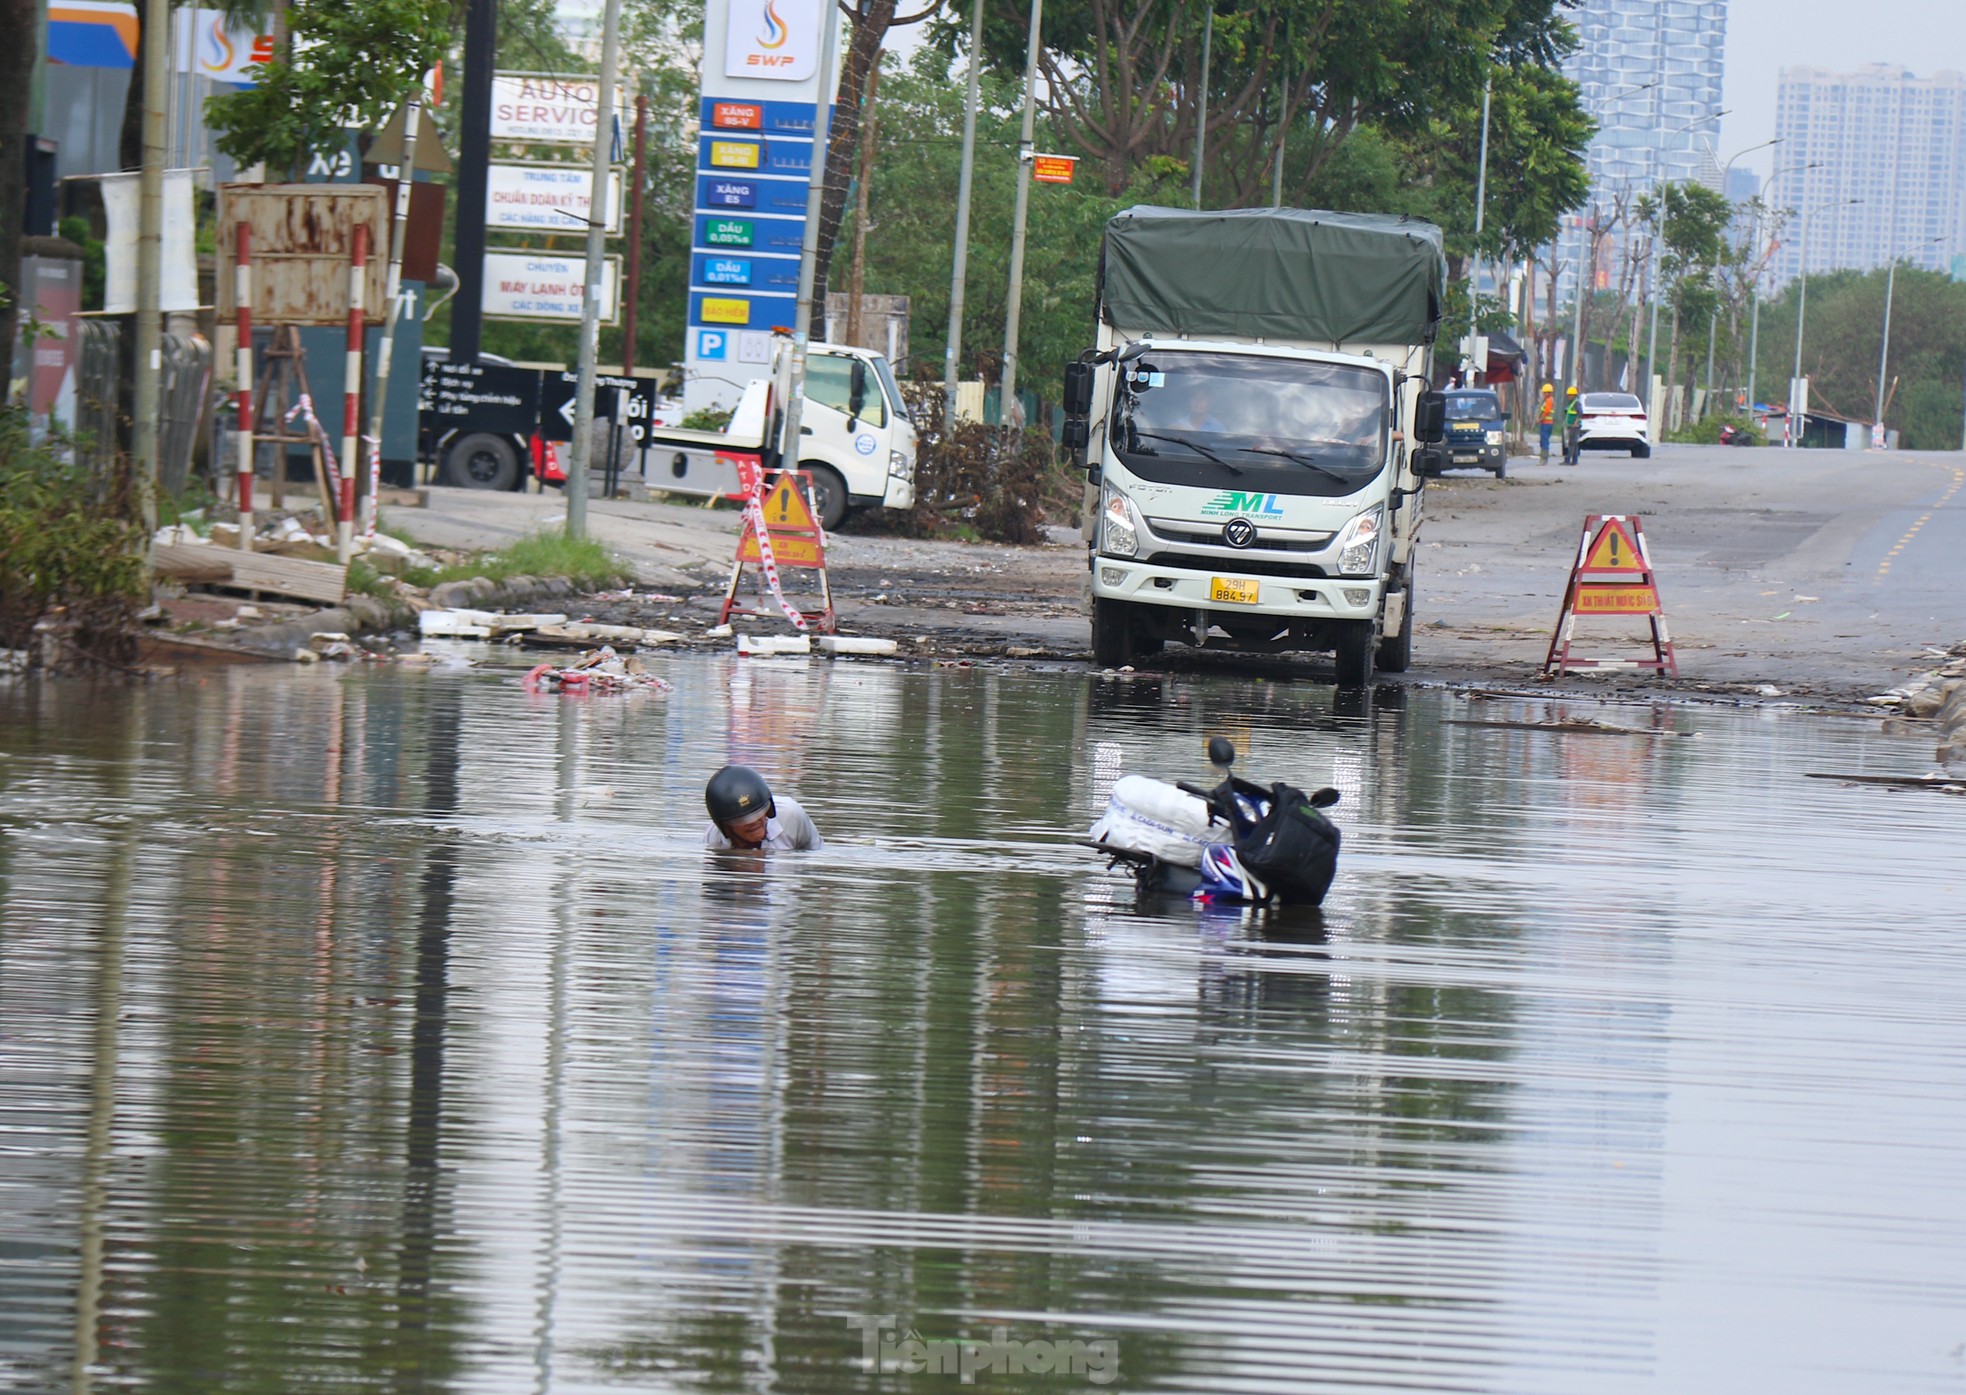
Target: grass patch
column 580, row 560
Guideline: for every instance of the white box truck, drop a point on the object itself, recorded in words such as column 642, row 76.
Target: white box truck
column 855, row 436
column 1249, row 421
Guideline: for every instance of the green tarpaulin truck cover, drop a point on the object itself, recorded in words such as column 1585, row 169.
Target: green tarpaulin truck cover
column 1274, row 273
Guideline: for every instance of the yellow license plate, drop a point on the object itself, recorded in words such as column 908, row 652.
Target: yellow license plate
column 1233, row 589
column 1467, row 426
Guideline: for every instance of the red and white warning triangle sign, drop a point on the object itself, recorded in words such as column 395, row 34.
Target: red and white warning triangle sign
column 1613, row 550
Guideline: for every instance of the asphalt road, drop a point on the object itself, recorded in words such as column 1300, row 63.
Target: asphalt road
column 1824, row 575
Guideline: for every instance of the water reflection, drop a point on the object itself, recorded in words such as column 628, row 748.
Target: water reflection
column 394, row 1029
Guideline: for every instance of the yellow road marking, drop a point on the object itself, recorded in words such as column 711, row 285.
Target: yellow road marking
column 1958, row 480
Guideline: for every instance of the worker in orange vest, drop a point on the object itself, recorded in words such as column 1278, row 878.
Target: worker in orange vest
column 1546, row 418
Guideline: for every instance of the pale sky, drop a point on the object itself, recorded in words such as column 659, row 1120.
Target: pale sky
column 1765, row 36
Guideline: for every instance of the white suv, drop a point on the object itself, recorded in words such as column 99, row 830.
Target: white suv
column 1613, row 421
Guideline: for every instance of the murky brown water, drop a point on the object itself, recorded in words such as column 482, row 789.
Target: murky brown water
column 389, row 1031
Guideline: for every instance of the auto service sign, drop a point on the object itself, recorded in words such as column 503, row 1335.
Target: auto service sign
column 776, row 40
column 546, row 109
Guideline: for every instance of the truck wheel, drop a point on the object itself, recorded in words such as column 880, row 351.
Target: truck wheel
column 1396, row 651
column 1354, row 654
column 482, row 460
column 1501, row 469
column 1112, row 633
column 828, row 494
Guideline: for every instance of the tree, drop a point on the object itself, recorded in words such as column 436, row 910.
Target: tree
column 19, row 23
column 326, row 76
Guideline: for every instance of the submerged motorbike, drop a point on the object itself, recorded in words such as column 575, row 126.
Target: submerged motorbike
column 1237, row 842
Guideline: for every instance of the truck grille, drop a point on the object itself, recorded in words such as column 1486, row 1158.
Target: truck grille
column 1267, row 540
column 1238, row 562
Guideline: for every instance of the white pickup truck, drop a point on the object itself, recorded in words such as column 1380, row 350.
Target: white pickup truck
column 855, row 436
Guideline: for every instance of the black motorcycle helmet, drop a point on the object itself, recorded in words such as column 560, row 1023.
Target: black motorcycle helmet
column 736, row 793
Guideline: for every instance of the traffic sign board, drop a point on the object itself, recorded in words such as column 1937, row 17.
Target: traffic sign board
column 1613, row 550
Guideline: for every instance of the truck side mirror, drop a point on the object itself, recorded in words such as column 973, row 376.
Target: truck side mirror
column 1078, row 390
column 1430, row 418
column 1075, row 433
column 856, row 400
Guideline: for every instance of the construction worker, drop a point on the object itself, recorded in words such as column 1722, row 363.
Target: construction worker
column 1572, row 447
column 1546, row 418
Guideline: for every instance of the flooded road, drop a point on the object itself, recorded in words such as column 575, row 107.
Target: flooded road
column 390, row 1031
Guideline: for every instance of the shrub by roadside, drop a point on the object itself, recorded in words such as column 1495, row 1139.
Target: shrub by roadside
column 72, row 551
column 1706, row 432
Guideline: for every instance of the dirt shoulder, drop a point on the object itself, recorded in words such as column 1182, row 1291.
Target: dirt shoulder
column 1768, row 561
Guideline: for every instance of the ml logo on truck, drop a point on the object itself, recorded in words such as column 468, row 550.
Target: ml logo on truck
column 1235, row 501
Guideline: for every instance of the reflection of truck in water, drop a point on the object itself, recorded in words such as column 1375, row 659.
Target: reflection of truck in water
column 483, row 425
column 1244, row 418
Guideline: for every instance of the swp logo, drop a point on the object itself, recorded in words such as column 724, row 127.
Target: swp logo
column 1241, row 502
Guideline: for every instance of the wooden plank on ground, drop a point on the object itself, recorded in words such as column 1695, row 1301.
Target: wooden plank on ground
column 325, row 582
column 194, row 563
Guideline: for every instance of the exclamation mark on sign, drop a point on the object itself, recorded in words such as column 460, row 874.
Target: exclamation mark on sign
column 1614, row 547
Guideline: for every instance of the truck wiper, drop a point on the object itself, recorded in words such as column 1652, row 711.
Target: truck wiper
column 1197, row 447
column 1299, row 459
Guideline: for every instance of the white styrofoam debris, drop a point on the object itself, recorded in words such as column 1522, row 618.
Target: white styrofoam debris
column 854, row 644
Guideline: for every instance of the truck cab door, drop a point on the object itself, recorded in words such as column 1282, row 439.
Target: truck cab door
column 848, row 429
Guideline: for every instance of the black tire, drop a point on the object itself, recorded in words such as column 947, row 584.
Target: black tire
column 483, row 460
column 1641, row 452
column 1112, row 633
column 1501, row 469
column 1396, row 651
column 829, row 496
column 1354, row 654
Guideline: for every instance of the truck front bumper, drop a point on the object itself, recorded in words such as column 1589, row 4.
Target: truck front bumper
column 1293, row 597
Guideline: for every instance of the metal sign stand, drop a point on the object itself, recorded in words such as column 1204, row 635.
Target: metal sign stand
column 1612, row 576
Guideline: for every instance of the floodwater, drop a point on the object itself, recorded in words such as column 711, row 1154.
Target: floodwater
column 389, row 1031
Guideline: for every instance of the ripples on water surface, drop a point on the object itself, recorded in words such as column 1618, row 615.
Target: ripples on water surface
column 390, row 1031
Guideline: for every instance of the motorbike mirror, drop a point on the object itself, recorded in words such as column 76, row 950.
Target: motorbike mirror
column 1324, row 798
column 1221, row 751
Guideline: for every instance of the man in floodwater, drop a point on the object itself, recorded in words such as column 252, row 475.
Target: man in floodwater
column 743, row 814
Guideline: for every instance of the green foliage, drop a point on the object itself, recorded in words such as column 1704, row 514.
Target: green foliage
column 1706, row 432
column 707, row 419
column 345, row 63
column 71, row 554
column 582, row 561
column 76, row 229
column 1843, row 330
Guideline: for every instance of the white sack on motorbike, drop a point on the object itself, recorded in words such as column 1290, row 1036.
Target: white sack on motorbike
column 1147, row 816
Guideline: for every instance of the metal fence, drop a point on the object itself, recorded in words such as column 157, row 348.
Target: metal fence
column 102, row 415
column 185, row 400
column 99, row 396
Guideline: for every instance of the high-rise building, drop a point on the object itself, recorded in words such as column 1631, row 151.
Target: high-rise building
column 1649, row 73
column 1888, row 151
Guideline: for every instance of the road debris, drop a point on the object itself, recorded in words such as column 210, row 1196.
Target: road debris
column 599, row 671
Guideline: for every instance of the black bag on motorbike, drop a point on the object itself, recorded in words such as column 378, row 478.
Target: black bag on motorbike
column 1293, row 847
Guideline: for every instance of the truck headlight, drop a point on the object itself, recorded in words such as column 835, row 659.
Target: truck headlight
column 899, row 466
column 1117, row 535
column 1358, row 544
column 1495, row 438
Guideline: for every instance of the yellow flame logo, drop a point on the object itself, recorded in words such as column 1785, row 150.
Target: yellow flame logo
column 219, row 45
column 775, row 31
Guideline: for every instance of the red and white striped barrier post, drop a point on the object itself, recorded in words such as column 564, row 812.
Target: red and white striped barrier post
column 351, row 417
column 242, row 295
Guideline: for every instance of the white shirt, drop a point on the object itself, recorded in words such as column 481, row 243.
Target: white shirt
column 790, row 829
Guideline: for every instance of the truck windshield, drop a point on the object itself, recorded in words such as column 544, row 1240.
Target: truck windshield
column 1291, row 426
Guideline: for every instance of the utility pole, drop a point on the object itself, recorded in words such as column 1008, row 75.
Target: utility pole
column 150, row 259
column 1802, row 311
column 822, row 127
column 473, row 164
column 1481, row 205
column 1025, row 141
column 1586, row 281
column 590, row 309
column 952, row 352
column 1884, row 353
column 1201, row 120
column 398, row 233
column 634, row 288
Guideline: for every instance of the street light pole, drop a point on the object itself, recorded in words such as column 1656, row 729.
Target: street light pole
column 958, row 279
column 1651, row 263
column 1201, row 121
column 581, row 456
column 1884, row 353
column 1481, row 206
column 1587, row 252
column 1802, row 311
column 1025, row 141
column 1754, row 322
